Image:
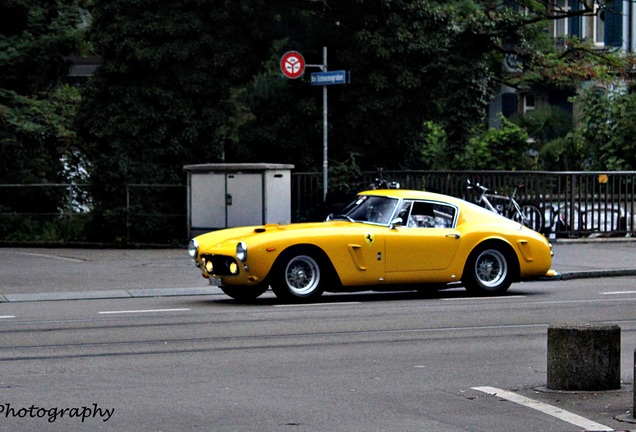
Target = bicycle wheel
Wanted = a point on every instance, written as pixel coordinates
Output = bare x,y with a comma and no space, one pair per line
531,216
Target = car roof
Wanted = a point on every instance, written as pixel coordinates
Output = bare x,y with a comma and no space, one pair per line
412,194
464,206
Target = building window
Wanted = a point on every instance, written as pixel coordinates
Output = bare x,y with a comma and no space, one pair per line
561,25
528,103
599,26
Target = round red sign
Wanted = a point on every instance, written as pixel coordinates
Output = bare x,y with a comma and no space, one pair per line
292,64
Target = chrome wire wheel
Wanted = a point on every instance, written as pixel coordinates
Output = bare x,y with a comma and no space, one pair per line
491,269
302,275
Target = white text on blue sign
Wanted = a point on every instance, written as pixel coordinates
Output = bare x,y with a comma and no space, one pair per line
328,78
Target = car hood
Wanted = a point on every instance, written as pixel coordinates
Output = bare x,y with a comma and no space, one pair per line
217,239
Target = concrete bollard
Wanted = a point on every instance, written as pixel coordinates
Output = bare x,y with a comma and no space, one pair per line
584,357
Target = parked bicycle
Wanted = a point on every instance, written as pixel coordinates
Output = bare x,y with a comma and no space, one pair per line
381,183
527,214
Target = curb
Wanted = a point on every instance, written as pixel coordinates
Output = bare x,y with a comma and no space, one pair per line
592,274
584,240
112,294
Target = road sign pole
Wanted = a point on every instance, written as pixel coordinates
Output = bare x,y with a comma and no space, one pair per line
293,65
325,140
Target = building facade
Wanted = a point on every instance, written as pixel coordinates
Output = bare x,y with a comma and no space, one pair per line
606,25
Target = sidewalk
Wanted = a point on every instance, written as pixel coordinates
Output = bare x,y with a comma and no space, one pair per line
33,274
587,258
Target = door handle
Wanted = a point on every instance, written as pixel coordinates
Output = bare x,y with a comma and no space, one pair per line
455,236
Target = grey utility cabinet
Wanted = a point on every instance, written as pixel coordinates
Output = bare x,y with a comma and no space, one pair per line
229,195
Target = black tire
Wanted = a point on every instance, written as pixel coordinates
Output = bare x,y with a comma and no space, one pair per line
245,292
488,271
299,276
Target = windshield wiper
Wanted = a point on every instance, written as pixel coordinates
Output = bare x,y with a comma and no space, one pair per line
340,217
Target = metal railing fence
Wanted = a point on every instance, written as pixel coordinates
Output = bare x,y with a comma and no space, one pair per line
150,213
574,204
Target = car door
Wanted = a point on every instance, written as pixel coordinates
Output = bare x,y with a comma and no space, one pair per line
425,240
357,253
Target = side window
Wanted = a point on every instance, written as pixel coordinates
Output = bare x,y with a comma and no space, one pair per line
431,215
444,216
404,213
422,215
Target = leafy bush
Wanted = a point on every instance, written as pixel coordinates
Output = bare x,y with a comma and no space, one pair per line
607,128
505,148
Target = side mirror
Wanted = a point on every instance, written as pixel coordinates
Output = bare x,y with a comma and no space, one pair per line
396,221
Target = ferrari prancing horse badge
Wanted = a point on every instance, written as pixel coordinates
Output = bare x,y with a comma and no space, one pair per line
369,238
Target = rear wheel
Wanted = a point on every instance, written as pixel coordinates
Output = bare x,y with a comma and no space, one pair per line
245,292
298,276
488,272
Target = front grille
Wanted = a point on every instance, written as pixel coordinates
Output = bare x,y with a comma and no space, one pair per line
221,264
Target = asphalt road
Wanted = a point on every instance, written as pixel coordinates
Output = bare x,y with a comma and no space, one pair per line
355,362
147,346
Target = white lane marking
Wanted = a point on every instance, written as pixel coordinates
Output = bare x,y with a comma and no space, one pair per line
317,304
142,311
553,411
618,292
6,316
52,256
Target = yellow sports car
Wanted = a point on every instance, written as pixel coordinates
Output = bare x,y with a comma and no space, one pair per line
385,239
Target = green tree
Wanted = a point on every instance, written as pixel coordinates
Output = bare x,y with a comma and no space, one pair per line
434,151
36,111
607,128
36,108
505,148
411,62
276,119
550,130
156,102
273,119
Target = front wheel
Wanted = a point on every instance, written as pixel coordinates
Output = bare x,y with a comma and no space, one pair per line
298,276
245,292
487,272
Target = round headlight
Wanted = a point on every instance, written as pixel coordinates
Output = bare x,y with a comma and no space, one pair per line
193,248
241,251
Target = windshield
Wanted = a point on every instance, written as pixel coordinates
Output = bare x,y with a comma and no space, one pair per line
372,209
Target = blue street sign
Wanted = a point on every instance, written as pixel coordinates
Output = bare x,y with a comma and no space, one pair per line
329,78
